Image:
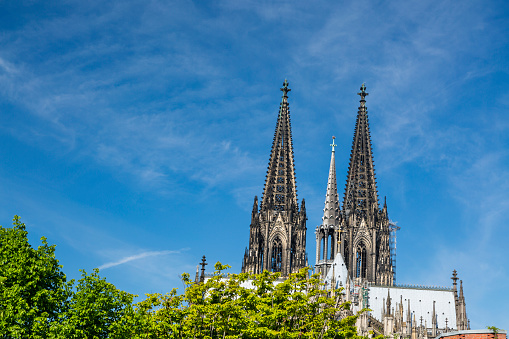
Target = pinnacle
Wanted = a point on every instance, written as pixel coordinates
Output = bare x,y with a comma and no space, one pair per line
331,208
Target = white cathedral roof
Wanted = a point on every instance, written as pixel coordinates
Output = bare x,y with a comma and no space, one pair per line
421,303
421,298
340,272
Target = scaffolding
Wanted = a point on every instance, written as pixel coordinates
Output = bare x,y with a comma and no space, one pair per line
393,227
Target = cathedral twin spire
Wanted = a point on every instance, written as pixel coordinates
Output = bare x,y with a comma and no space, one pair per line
280,191
361,196
360,230
277,240
278,228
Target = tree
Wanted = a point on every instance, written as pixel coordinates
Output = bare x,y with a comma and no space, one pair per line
94,309
226,307
33,289
36,301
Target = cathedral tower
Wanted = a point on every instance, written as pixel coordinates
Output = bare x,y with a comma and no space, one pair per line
365,235
327,233
277,239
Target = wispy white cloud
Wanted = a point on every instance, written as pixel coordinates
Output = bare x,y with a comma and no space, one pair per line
7,67
137,257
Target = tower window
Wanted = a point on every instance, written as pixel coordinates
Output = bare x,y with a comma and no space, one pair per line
361,261
277,256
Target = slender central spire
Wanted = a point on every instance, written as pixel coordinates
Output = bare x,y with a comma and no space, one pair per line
328,232
331,208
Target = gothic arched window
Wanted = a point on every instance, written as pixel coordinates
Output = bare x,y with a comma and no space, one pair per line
332,246
277,256
361,258
346,255
261,248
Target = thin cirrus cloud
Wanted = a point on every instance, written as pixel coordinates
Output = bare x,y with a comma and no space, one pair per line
135,257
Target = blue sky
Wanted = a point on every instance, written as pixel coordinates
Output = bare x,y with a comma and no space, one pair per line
135,134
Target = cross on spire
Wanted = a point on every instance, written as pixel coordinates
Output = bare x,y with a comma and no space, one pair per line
363,92
333,144
363,95
285,88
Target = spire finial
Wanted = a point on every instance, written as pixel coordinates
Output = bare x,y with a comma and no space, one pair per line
363,94
285,88
333,144
203,264
454,278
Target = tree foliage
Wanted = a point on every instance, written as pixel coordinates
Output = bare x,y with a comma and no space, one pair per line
226,307
95,309
36,301
33,288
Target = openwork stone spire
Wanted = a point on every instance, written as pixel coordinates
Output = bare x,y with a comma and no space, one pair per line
277,240
331,209
327,232
361,196
365,241
280,191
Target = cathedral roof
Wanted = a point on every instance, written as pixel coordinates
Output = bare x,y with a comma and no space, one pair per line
338,274
422,301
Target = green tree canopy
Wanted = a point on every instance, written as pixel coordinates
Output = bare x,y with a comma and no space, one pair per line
33,288
36,301
94,309
225,306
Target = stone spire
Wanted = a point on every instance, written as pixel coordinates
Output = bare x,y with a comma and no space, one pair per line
408,314
327,234
366,244
277,240
388,312
203,264
280,191
462,320
434,325
455,290
361,195
331,209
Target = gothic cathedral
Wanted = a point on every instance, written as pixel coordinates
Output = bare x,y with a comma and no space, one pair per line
353,242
